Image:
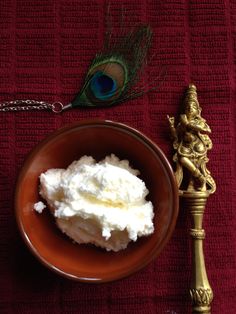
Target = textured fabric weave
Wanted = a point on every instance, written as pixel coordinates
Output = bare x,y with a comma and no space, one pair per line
45,49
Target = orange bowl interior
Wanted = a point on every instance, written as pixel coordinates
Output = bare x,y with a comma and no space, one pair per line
98,139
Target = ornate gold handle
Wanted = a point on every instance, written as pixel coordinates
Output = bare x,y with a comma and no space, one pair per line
191,143
200,290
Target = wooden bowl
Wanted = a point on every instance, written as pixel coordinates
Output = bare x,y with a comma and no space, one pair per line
96,138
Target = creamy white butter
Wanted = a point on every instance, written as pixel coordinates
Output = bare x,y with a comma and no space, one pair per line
39,207
100,203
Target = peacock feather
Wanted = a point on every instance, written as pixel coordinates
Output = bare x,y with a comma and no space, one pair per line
113,73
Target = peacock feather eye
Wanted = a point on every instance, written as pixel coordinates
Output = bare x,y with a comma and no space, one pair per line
102,86
113,73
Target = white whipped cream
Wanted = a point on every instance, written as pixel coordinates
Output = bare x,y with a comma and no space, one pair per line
100,203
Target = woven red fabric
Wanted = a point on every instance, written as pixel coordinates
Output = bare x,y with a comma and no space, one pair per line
45,49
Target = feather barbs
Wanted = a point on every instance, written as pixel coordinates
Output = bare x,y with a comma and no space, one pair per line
114,71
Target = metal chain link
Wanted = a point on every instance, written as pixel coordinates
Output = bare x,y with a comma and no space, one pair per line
26,105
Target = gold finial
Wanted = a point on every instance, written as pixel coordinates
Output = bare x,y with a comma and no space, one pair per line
191,143
192,91
191,96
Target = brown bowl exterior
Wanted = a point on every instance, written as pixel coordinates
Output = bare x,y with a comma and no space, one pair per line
98,139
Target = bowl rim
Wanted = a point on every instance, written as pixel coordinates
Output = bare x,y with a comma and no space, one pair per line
109,123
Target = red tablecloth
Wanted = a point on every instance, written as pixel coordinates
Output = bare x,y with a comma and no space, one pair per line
45,49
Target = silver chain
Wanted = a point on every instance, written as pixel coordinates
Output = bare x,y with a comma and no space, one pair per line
26,105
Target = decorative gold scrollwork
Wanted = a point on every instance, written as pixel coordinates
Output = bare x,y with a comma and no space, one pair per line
197,234
201,296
